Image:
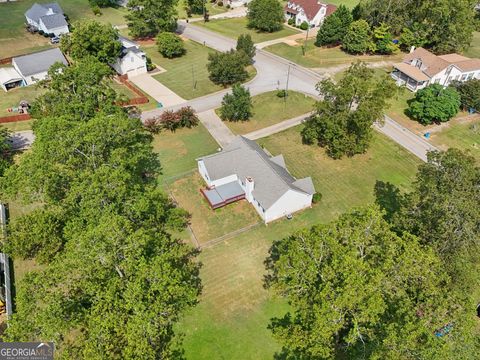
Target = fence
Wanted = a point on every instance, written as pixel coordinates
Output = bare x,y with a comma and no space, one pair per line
13,118
6,61
141,99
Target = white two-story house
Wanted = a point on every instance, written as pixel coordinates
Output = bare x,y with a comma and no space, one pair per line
47,17
313,12
421,68
132,60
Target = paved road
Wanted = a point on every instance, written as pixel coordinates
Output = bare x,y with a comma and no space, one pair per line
406,138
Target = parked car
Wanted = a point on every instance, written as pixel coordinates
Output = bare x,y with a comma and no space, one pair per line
55,40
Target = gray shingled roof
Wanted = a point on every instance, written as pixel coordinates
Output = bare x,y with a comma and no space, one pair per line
37,10
35,63
54,21
245,158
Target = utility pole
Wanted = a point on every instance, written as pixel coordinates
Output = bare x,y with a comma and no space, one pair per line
306,39
286,86
193,79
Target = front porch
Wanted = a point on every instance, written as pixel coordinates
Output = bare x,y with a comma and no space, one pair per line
409,76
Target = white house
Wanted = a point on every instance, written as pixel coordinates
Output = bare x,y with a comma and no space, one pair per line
313,12
10,78
48,18
34,67
132,61
242,170
421,68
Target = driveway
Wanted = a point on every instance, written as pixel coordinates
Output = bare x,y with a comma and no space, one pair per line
216,127
158,91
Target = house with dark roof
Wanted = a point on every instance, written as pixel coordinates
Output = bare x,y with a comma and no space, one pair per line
313,12
421,68
47,17
243,170
34,67
132,60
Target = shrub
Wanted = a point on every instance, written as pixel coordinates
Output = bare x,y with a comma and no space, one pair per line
228,6
170,45
153,125
304,25
150,65
46,35
96,10
237,106
282,93
41,32
169,120
291,21
187,117
316,198
220,3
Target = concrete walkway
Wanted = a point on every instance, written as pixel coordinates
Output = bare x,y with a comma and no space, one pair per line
237,12
157,90
276,128
404,137
215,126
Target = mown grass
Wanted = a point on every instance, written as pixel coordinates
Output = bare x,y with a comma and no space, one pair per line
232,318
318,57
232,28
269,109
15,40
12,98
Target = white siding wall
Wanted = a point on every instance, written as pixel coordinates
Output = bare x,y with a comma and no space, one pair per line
131,65
31,22
289,203
203,172
32,79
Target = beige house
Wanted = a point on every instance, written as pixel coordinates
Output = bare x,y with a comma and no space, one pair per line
421,68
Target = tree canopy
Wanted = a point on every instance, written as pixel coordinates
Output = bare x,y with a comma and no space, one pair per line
78,91
434,104
334,27
6,151
342,122
227,68
91,38
265,15
170,45
358,39
469,92
237,106
149,17
359,290
245,44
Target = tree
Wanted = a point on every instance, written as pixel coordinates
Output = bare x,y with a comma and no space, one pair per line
335,27
342,122
78,91
469,92
358,39
195,6
102,3
113,269
170,45
237,106
245,44
265,15
91,38
359,290
227,68
384,40
414,36
149,17
434,104
6,150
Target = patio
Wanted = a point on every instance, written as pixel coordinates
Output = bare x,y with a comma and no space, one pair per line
222,195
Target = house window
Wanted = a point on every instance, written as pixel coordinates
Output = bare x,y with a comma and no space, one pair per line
437,81
449,70
418,63
464,76
470,76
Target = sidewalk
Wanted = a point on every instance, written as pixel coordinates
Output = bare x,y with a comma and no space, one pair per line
158,91
284,125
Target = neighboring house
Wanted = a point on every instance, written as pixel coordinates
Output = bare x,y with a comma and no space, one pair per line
421,68
34,67
312,11
10,78
244,171
47,17
132,61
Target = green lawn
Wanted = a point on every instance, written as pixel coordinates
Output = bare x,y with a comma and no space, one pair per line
232,28
474,49
269,109
177,151
13,97
232,317
187,75
321,56
212,9
463,135
15,40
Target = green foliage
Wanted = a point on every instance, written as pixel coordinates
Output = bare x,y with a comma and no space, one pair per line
237,106
170,45
335,27
343,120
469,93
227,68
173,120
443,25
434,104
414,36
245,44
96,10
384,40
6,152
195,6
304,25
149,17
187,117
78,91
102,3
358,39
91,38
359,290
150,65
265,15
317,197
